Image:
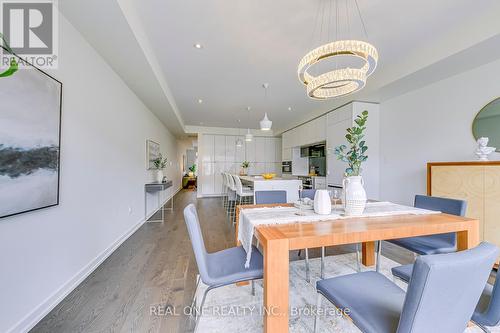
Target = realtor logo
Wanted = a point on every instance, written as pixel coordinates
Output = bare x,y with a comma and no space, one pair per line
30,30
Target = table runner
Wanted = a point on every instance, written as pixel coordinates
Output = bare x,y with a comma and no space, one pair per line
251,217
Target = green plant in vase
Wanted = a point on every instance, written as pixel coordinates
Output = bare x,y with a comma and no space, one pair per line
159,164
354,154
192,170
244,167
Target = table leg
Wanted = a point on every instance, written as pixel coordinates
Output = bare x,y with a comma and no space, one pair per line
368,254
276,275
468,238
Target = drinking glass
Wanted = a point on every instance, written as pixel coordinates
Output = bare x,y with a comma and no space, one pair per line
335,195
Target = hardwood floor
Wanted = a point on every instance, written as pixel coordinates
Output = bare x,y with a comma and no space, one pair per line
155,266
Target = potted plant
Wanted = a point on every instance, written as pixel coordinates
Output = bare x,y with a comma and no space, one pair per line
354,194
159,164
192,170
244,167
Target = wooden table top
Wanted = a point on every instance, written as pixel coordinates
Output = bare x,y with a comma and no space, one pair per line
361,229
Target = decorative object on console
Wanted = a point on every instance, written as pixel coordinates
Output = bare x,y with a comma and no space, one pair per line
192,170
487,123
244,168
483,150
322,202
354,194
30,127
159,164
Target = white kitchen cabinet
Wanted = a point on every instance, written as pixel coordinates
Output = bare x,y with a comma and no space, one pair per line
207,148
336,137
219,148
286,154
240,151
218,168
230,148
286,140
269,150
207,178
250,151
277,154
260,149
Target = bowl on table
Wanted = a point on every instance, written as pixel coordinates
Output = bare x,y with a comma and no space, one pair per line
268,175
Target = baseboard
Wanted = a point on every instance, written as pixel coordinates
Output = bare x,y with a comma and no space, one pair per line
30,320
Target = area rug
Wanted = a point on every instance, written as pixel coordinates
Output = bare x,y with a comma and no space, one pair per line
234,309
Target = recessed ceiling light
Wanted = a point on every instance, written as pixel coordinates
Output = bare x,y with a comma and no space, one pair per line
289,108
198,46
200,101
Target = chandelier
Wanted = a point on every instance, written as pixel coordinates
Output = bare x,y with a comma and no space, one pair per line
344,80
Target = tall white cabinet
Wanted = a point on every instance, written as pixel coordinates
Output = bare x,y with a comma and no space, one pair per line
218,153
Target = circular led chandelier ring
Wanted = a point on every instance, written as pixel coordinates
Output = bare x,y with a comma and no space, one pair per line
338,82
361,49
345,81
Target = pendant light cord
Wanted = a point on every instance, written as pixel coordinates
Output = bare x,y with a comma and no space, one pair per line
361,18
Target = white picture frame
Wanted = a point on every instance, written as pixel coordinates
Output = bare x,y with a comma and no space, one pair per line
152,153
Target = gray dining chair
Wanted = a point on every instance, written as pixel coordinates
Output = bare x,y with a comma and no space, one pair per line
270,197
441,295
220,268
433,244
487,311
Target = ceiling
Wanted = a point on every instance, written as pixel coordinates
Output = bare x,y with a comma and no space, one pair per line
247,43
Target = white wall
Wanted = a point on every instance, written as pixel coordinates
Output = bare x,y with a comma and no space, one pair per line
431,124
44,254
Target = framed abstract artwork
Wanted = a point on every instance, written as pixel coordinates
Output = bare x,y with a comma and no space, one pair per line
30,140
152,153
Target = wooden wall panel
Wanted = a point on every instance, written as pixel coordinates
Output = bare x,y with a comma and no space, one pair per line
492,204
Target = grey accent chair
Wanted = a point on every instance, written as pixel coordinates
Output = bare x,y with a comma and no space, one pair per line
221,268
270,197
443,283
433,244
487,311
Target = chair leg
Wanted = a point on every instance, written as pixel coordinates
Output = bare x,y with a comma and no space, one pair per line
358,258
200,311
308,273
193,303
379,252
484,329
322,267
318,306
253,287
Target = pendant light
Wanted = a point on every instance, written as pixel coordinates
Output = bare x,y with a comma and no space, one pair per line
343,80
265,123
239,142
248,136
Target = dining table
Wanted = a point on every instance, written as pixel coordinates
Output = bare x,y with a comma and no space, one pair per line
277,240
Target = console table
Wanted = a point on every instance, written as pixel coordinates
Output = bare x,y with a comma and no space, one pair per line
157,188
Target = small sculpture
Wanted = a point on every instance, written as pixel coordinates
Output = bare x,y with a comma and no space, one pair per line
483,150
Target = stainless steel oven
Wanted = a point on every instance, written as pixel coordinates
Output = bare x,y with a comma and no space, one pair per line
286,167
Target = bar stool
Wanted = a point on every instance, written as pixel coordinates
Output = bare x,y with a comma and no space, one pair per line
243,195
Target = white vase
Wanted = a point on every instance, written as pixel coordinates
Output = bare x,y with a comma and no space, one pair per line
322,202
354,196
159,175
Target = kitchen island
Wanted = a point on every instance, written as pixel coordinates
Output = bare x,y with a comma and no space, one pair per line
258,183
